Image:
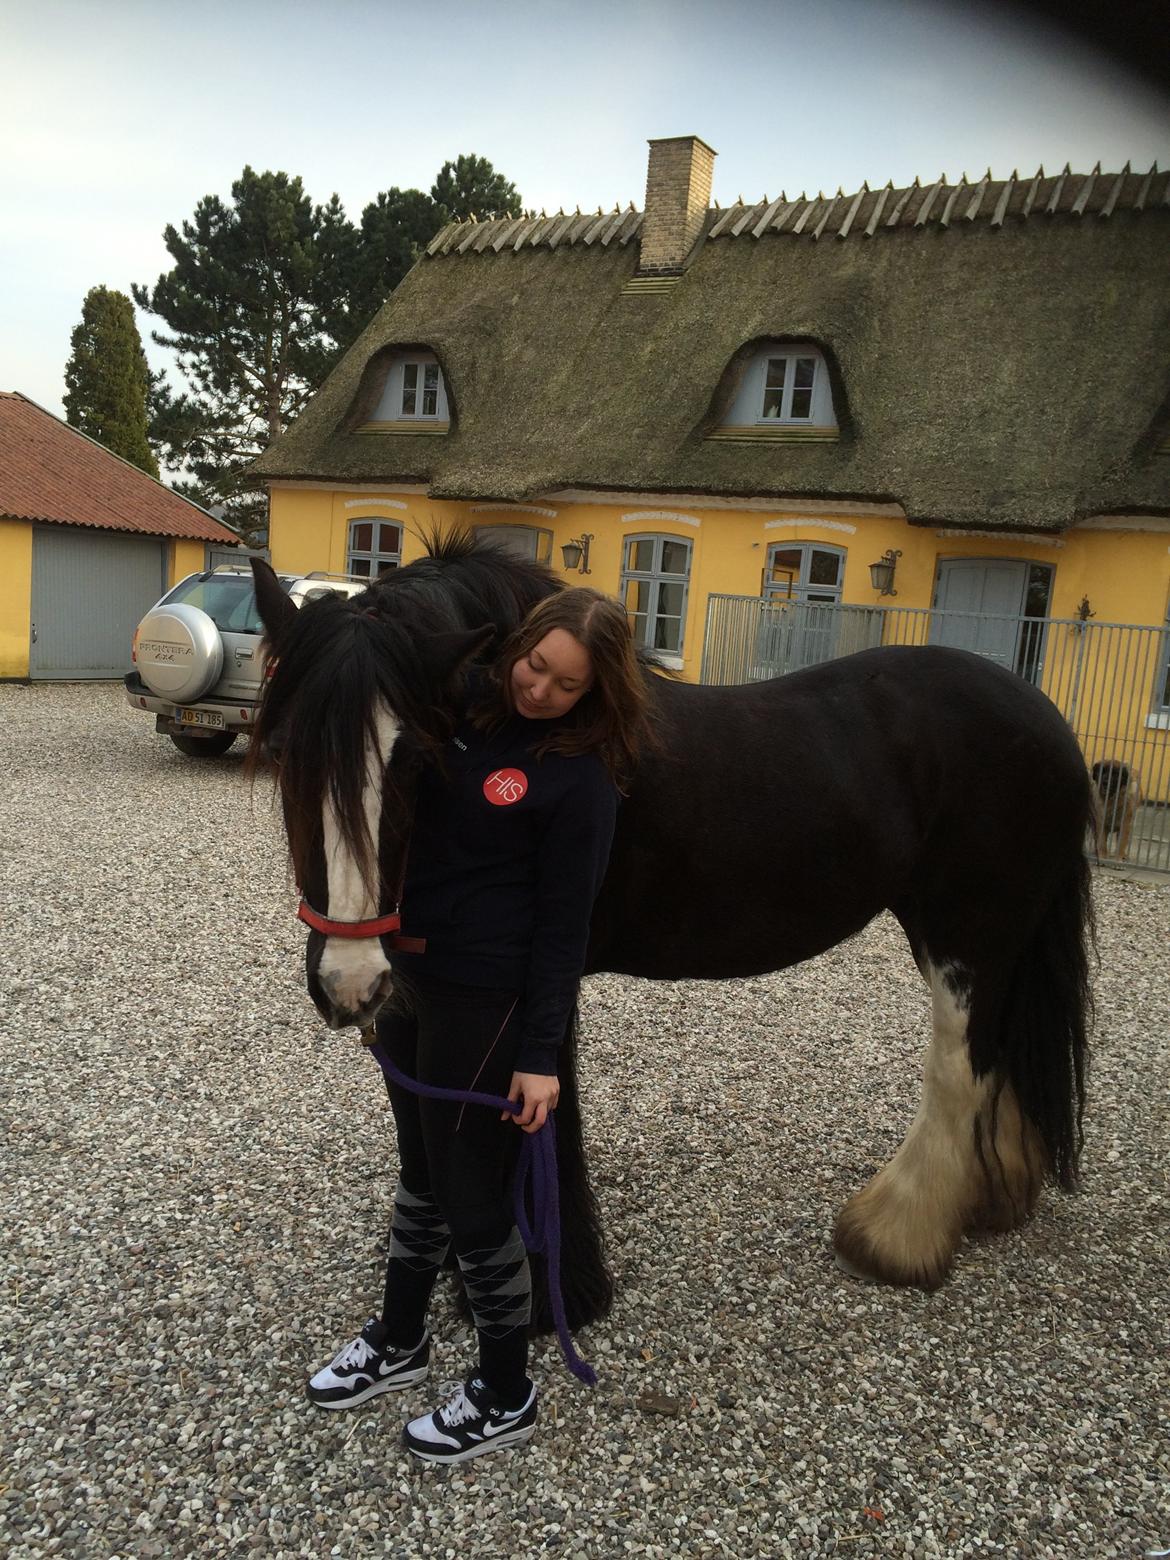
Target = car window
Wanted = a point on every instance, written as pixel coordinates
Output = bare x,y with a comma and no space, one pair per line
228,599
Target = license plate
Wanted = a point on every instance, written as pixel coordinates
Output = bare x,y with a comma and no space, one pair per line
200,718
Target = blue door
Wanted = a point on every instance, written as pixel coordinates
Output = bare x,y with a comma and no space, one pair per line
996,607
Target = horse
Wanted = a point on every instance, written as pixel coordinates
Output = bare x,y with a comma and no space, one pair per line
925,781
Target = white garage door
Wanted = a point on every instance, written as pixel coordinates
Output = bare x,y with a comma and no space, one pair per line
89,590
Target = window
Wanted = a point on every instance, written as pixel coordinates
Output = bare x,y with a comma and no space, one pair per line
804,571
799,625
784,391
420,389
414,397
531,542
1162,682
228,599
655,572
374,547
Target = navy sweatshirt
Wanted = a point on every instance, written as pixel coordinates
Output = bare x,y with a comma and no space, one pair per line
506,858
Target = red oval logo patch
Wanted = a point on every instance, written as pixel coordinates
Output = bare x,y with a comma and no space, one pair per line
505,787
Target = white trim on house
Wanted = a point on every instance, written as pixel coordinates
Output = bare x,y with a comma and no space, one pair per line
364,503
1122,523
1005,536
811,525
415,489
513,509
713,502
641,515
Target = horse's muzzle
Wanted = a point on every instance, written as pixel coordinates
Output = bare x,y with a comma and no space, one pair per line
348,994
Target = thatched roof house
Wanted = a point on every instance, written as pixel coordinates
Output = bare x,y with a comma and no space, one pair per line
996,350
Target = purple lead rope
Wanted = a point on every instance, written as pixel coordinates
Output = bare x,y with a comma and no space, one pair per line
536,1168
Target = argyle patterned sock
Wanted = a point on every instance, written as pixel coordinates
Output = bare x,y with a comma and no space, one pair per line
419,1240
499,1289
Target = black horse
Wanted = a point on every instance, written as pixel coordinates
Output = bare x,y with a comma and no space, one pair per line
771,822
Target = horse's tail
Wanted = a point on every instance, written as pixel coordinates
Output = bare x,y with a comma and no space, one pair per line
586,1281
1042,1045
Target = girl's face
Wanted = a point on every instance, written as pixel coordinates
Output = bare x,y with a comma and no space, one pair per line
549,680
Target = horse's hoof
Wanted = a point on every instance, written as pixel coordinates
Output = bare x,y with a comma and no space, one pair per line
853,1271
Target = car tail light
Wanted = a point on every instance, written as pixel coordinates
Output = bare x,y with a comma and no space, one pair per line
134,648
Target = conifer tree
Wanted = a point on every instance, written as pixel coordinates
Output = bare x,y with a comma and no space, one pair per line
265,294
107,379
471,187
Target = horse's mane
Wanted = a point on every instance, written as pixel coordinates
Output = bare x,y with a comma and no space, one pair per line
462,581
342,657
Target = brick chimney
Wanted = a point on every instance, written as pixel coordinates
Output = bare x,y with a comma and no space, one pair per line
678,191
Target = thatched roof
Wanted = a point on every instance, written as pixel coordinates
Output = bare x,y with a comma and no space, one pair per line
997,350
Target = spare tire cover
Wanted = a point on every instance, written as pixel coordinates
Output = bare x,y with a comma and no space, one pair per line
180,653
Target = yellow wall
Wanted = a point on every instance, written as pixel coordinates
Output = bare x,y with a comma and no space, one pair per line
15,596
184,557
1126,574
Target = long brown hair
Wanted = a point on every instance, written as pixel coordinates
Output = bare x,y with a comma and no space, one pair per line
614,718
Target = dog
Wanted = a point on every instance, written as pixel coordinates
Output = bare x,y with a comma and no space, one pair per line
1119,795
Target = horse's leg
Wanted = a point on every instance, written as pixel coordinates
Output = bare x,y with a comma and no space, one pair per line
1004,1082
903,1227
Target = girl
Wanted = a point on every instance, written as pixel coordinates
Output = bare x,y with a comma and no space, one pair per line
509,846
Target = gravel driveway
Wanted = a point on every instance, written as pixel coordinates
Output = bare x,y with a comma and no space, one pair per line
196,1180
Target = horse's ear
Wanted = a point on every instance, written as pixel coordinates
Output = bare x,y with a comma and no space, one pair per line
277,612
446,653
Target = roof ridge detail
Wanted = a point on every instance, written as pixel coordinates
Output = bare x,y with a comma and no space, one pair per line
982,202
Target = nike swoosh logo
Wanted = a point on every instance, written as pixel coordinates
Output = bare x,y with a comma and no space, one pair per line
494,1427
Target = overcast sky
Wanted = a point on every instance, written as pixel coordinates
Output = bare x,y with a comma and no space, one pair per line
119,115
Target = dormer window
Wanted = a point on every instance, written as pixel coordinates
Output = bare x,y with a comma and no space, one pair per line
414,397
784,392
420,388
790,382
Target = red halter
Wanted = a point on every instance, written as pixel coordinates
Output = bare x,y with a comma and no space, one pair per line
380,926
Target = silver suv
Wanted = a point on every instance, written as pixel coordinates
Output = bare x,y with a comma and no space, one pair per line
197,660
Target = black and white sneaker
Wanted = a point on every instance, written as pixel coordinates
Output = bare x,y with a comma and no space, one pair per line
471,1422
368,1366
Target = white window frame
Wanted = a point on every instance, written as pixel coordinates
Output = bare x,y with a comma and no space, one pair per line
747,409
539,536
1160,715
380,560
391,407
802,588
655,577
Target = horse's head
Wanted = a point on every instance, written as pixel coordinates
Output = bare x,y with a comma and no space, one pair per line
356,702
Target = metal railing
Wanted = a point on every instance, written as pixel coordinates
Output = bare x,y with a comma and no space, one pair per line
1111,681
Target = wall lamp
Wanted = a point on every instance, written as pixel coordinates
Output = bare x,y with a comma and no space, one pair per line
576,553
881,573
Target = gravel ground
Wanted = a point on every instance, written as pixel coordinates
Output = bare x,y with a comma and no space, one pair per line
196,1180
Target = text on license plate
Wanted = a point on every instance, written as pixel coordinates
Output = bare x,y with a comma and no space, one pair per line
200,718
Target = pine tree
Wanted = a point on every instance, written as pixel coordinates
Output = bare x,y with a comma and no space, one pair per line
107,379
471,187
264,296
241,306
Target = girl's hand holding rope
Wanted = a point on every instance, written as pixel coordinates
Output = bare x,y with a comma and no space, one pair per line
539,1093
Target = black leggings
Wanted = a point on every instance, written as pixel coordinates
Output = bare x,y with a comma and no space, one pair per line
458,1037
457,1163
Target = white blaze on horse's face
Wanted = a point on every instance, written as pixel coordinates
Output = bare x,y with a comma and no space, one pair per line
354,973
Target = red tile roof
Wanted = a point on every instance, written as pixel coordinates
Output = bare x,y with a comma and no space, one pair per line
49,471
